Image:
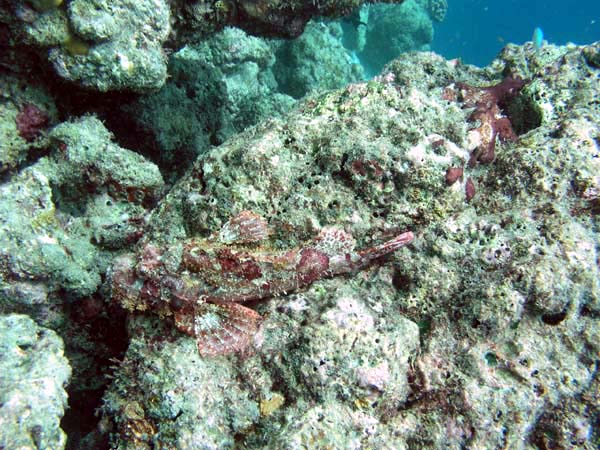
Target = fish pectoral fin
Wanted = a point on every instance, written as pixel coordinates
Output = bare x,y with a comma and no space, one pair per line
245,228
224,328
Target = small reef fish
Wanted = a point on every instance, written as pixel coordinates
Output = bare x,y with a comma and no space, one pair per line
200,283
538,38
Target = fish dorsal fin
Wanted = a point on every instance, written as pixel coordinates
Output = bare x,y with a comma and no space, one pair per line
334,241
244,228
220,329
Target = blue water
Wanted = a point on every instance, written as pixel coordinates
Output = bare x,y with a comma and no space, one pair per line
476,30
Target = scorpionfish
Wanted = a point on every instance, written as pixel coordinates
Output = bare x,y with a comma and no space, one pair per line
201,283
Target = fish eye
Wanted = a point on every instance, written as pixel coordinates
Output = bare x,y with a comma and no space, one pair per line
176,302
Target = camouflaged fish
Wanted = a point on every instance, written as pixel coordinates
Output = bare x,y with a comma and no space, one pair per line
201,282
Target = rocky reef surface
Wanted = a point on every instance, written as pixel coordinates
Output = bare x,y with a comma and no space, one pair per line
123,44
481,333
33,373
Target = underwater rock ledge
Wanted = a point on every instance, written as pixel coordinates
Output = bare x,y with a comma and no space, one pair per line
487,325
123,44
482,332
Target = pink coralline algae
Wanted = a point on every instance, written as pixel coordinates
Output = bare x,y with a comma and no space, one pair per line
200,283
30,121
488,103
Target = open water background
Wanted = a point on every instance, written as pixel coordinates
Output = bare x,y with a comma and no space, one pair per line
476,30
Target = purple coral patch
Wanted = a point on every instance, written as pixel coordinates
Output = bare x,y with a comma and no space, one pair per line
30,121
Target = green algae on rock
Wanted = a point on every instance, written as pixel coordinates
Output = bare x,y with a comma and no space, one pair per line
315,61
54,238
25,115
62,219
124,40
119,45
486,327
396,29
33,375
229,74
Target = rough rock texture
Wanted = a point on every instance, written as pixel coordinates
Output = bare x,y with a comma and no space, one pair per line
316,60
26,111
396,29
216,89
231,80
62,218
99,44
437,9
270,18
481,334
113,45
56,239
33,375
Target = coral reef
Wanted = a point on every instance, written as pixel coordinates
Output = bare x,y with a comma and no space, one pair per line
393,30
30,121
26,112
316,60
191,417
482,333
438,9
230,75
33,374
239,78
114,45
101,45
56,239
487,104
288,18
477,335
62,218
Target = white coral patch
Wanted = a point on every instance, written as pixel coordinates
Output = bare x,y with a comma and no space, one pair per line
417,154
350,313
423,152
374,377
125,62
474,139
45,239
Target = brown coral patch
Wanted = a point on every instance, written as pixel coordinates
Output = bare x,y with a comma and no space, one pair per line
489,103
453,174
469,189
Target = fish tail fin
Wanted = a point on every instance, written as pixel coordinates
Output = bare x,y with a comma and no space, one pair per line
387,247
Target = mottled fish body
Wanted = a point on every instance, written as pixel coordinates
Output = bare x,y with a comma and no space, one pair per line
201,282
